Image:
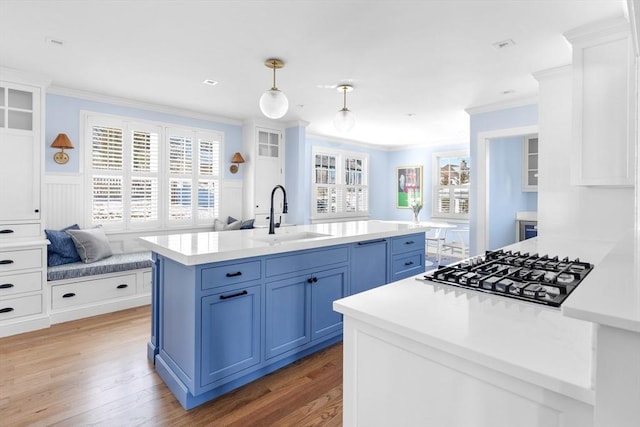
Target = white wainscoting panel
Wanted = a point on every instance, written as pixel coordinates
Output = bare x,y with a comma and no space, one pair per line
63,200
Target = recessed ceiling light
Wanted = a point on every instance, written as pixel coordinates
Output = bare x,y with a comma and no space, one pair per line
503,44
507,92
410,114
210,82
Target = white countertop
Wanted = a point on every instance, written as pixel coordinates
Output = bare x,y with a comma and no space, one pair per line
610,294
535,343
201,248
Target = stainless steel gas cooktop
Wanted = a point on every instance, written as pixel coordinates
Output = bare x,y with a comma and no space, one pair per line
534,278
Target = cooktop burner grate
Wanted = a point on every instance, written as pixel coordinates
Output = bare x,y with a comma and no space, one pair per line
533,278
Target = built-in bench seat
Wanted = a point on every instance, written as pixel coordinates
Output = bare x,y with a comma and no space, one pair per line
112,264
115,283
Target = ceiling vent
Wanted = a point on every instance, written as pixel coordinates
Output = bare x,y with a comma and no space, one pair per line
504,44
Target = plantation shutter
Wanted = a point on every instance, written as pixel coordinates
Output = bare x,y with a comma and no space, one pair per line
107,148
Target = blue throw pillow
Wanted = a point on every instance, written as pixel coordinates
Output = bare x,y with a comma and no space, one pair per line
231,219
247,224
62,250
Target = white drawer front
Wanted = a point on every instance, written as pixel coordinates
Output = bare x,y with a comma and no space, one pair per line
20,260
18,231
20,306
19,283
89,291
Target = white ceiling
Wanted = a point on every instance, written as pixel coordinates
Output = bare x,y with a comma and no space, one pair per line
430,58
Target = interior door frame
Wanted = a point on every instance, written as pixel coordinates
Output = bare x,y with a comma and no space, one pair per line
482,176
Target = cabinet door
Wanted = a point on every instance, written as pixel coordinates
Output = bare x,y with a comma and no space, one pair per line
326,287
268,171
368,265
287,315
19,140
230,333
530,163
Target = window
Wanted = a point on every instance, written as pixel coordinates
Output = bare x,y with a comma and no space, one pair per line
339,185
130,190
452,172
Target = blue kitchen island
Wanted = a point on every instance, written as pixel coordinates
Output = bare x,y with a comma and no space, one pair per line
229,307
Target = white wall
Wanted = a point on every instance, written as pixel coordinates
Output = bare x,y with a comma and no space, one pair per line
565,210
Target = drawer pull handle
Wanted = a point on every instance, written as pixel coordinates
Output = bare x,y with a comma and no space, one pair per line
312,280
6,261
6,231
239,273
122,286
408,263
371,242
6,310
69,295
6,286
239,294
409,242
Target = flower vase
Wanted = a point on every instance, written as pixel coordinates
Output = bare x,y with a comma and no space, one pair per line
415,218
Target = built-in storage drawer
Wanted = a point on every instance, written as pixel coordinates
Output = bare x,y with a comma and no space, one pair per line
407,265
307,260
20,260
407,243
230,274
19,231
20,306
89,291
19,283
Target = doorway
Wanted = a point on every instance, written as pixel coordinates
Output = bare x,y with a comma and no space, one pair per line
483,173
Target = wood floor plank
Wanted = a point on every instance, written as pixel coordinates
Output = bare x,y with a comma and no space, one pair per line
95,372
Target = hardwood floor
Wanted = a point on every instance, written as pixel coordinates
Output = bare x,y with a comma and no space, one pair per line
95,372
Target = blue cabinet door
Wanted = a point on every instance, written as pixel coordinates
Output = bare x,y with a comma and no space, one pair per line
230,333
326,287
287,314
368,265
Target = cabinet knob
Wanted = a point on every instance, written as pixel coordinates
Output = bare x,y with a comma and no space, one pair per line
37,210
69,295
122,286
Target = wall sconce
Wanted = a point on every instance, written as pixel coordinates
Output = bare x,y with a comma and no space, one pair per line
237,159
62,141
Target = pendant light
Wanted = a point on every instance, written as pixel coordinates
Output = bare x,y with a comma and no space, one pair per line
274,103
344,119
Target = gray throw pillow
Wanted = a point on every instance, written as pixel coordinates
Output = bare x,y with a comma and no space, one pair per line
91,243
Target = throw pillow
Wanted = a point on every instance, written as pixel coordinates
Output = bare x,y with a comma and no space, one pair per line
61,249
231,219
218,225
234,225
92,244
247,224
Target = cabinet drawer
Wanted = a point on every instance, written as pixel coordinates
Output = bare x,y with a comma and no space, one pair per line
88,291
307,260
20,260
19,231
20,306
407,243
407,265
230,274
19,283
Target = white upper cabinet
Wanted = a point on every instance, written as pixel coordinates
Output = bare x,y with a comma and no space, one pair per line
530,163
20,143
603,104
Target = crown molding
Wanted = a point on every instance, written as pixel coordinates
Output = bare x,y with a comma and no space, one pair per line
487,108
551,73
123,102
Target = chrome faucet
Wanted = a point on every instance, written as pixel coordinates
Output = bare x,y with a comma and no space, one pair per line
272,228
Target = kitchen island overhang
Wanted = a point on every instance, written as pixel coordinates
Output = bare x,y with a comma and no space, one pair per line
521,361
230,307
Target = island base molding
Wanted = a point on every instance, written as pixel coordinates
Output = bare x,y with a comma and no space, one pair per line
393,380
189,401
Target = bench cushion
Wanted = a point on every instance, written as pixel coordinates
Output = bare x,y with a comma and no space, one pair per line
113,264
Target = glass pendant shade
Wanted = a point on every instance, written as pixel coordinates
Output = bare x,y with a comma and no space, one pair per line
273,103
344,120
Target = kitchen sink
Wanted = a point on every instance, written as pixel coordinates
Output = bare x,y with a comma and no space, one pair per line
289,237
